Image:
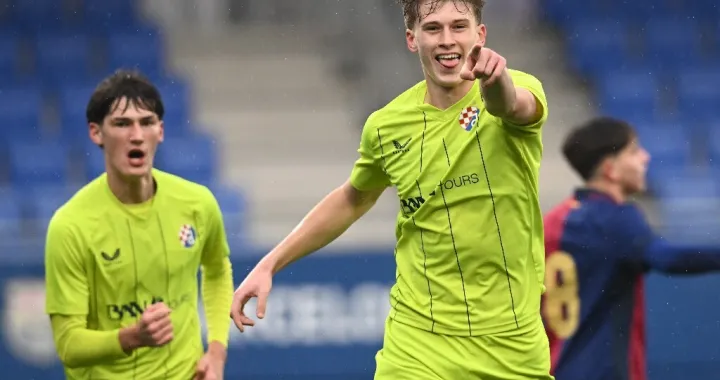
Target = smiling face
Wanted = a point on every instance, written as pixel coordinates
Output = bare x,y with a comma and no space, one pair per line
443,34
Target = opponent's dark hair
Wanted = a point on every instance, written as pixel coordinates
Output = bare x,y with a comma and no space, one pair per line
412,12
587,145
130,84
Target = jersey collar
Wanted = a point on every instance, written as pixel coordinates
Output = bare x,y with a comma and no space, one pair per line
452,111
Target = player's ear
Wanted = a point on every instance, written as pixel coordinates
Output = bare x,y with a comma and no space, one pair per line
608,169
161,132
482,34
95,132
411,41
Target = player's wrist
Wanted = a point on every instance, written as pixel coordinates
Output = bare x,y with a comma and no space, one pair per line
217,351
269,263
130,339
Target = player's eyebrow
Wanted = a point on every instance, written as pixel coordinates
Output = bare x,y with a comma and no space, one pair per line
437,23
125,119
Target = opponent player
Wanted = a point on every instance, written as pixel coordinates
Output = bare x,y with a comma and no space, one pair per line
463,149
122,255
598,247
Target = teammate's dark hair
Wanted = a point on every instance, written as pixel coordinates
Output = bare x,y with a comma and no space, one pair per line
590,143
411,9
129,84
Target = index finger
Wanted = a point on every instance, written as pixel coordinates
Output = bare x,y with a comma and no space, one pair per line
475,51
237,313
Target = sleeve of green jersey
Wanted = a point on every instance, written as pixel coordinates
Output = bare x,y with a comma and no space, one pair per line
368,173
217,280
66,283
532,84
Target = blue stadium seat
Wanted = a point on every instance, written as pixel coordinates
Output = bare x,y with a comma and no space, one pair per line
177,101
94,159
690,221
21,108
597,47
713,146
44,201
663,32
688,184
704,10
191,157
73,100
699,93
109,14
669,148
233,207
639,10
38,163
63,57
9,50
565,13
629,94
143,50
42,15
688,204
10,213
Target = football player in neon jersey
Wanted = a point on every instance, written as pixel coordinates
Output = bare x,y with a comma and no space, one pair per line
598,247
122,255
463,149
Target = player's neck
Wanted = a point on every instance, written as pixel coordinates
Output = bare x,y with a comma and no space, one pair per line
611,190
132,191
444,97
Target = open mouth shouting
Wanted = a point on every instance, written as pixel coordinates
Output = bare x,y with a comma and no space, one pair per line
136,157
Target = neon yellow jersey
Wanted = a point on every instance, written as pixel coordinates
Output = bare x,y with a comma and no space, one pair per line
108,261
469,231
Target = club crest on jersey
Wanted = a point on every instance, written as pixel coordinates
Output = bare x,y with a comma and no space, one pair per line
187,236
468,118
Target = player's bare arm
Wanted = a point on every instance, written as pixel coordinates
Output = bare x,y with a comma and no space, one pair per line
502,98
323,224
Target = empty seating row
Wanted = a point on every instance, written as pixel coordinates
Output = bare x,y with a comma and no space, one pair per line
40,163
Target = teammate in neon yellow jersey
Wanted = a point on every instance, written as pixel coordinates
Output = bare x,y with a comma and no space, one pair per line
123,254
463,149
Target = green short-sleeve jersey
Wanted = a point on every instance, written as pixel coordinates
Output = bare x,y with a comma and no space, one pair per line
108,261
469,231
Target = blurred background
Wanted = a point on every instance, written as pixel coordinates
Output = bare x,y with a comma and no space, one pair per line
265,102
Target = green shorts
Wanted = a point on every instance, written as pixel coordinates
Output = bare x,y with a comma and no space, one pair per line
409,353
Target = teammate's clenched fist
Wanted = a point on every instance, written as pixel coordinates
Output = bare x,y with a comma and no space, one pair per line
154,328
484,64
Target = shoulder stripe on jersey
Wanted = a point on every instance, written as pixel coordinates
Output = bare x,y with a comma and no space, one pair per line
382,154
452,236
132,246
422,142
497,224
